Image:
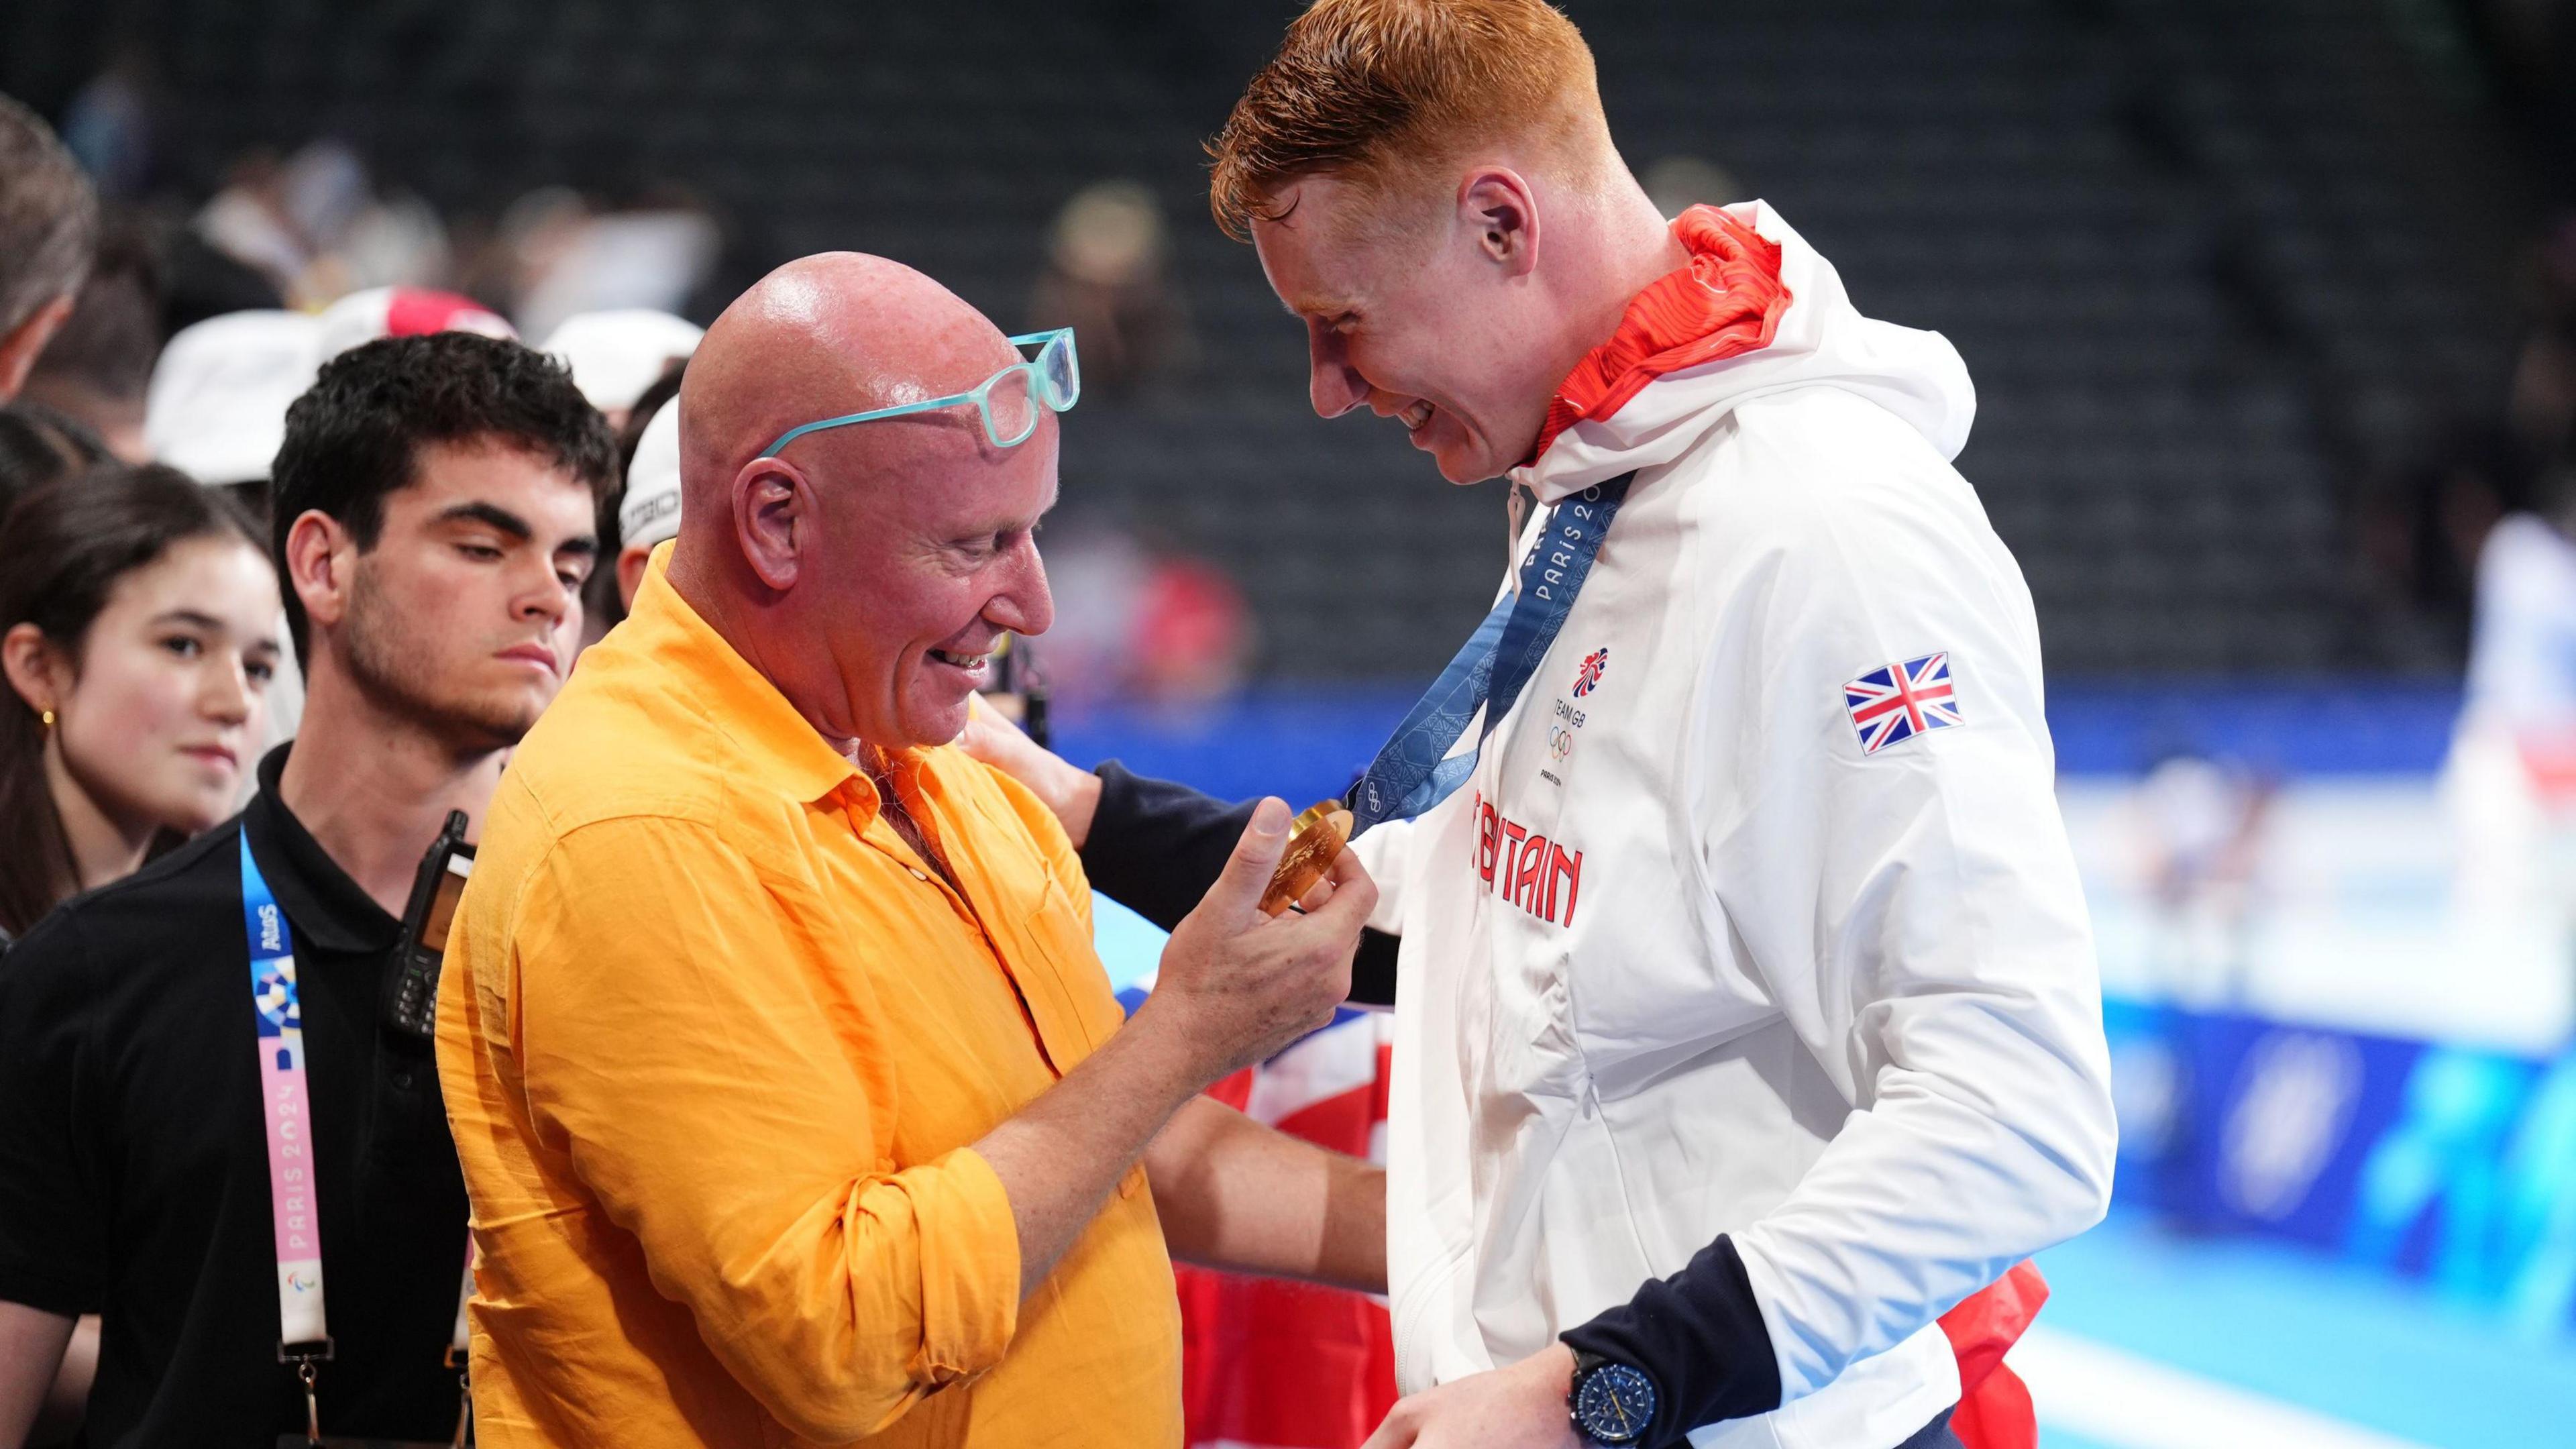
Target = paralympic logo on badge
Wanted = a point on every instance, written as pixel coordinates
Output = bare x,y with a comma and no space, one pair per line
275,996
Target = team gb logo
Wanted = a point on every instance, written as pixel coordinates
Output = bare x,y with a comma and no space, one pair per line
1588,677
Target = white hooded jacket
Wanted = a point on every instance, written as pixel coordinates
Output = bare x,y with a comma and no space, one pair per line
1683,958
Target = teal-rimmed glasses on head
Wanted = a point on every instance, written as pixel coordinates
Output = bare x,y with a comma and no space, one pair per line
1008,401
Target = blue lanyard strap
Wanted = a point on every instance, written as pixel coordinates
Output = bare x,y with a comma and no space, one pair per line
287,1105
1414,770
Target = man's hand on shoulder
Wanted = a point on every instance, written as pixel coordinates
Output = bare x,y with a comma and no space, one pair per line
1072,795
1520,1407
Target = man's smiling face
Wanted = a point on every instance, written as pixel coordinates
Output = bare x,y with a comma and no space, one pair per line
929,538
1412,321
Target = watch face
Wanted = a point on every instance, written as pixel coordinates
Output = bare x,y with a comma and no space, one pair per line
1615,1404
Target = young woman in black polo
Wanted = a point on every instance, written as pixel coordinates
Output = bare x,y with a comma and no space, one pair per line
137,635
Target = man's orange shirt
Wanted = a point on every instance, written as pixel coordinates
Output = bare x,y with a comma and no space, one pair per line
715,1043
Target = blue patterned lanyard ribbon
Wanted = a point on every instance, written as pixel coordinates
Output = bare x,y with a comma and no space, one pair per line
1414,770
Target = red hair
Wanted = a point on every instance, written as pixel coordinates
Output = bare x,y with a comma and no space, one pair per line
1385,91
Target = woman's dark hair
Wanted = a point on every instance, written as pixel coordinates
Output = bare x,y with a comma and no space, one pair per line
39,445
63,547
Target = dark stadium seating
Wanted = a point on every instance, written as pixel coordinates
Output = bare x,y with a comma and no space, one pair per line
2210,264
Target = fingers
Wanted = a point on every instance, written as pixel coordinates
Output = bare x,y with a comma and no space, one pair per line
1238,889
987,736
1352,898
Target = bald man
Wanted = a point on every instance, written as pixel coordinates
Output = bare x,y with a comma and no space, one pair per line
792,1099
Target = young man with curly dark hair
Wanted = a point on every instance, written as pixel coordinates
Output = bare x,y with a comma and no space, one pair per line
206,1111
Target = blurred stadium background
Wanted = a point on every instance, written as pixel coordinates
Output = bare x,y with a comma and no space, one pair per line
2271,307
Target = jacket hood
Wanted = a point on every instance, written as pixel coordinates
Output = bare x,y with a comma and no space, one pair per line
1821,341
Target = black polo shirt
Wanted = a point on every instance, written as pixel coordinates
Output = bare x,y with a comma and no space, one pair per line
134,1154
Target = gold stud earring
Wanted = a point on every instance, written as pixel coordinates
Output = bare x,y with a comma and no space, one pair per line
49,719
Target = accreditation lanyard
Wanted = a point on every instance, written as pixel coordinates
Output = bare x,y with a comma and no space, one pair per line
1414,770
303,1331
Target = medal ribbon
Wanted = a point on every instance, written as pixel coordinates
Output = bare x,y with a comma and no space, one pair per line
1414,770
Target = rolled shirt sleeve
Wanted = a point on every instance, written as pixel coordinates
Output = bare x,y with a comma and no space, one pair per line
715,1106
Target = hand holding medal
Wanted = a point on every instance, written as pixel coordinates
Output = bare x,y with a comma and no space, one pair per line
1315,840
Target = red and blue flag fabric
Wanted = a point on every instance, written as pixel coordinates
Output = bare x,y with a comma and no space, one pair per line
1895,702
1271,1364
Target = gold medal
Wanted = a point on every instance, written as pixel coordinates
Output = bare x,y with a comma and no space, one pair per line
1315,841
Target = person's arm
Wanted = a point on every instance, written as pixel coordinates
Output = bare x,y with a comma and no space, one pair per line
1155,846
31,1350
50,1244
1918,915
1237,1195
726,1124
1151,845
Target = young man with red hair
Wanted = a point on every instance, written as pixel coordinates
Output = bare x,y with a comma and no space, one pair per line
1748,1017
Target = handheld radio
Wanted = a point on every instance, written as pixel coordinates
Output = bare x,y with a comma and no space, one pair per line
411,991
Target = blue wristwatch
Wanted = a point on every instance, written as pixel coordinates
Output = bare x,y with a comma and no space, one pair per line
1613,1403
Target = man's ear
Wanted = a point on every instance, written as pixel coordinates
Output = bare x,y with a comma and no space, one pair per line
1497,207
23,343
773,519
321,567
631,563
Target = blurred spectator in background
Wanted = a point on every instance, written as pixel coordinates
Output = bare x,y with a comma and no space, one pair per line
98,368
216,406
138,631
247,220
648,498
555,256
48,231
1107,277
1193,634
199,282
2198,826
39,445
649,513
1142,623
2543,402
113,123
216,409
314,226
362,317
616,355
1675,184
2509,784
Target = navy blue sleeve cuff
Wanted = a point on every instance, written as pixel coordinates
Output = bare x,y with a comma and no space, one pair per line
1155,847
1698,1334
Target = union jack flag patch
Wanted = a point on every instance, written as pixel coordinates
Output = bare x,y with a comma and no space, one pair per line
1899,701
